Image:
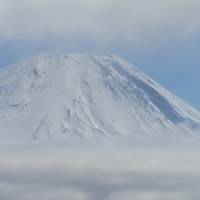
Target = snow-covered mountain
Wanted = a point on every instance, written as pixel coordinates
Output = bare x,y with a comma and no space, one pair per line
64,95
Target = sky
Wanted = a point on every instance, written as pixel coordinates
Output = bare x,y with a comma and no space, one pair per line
162,38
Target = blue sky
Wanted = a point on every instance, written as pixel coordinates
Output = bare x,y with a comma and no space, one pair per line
162,38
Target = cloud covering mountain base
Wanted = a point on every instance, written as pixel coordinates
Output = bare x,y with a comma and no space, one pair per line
151,170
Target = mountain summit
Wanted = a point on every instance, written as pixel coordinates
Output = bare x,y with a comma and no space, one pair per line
64,95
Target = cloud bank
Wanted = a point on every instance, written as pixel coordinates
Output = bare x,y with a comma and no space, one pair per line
105,172
102,21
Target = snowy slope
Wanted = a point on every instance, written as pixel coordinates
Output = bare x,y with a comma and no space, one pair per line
63,95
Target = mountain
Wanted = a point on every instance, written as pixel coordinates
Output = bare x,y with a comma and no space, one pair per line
66,95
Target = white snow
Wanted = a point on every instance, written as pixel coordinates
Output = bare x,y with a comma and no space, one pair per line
88,96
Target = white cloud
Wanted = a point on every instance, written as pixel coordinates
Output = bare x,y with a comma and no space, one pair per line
151,170
104,21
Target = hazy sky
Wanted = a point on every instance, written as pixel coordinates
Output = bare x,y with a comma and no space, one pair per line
160,37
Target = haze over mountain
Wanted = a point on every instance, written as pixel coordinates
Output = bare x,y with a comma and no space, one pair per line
82,95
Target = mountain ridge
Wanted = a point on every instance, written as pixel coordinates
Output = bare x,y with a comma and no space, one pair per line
52,95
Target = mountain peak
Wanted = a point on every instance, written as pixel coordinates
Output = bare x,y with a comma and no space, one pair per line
85,95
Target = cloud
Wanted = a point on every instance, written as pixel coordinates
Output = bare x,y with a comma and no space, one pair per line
102,21
106,172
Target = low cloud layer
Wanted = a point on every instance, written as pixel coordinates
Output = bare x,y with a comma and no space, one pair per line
100,172
101,21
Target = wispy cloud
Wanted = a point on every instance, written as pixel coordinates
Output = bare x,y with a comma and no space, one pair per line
100,172
104,21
